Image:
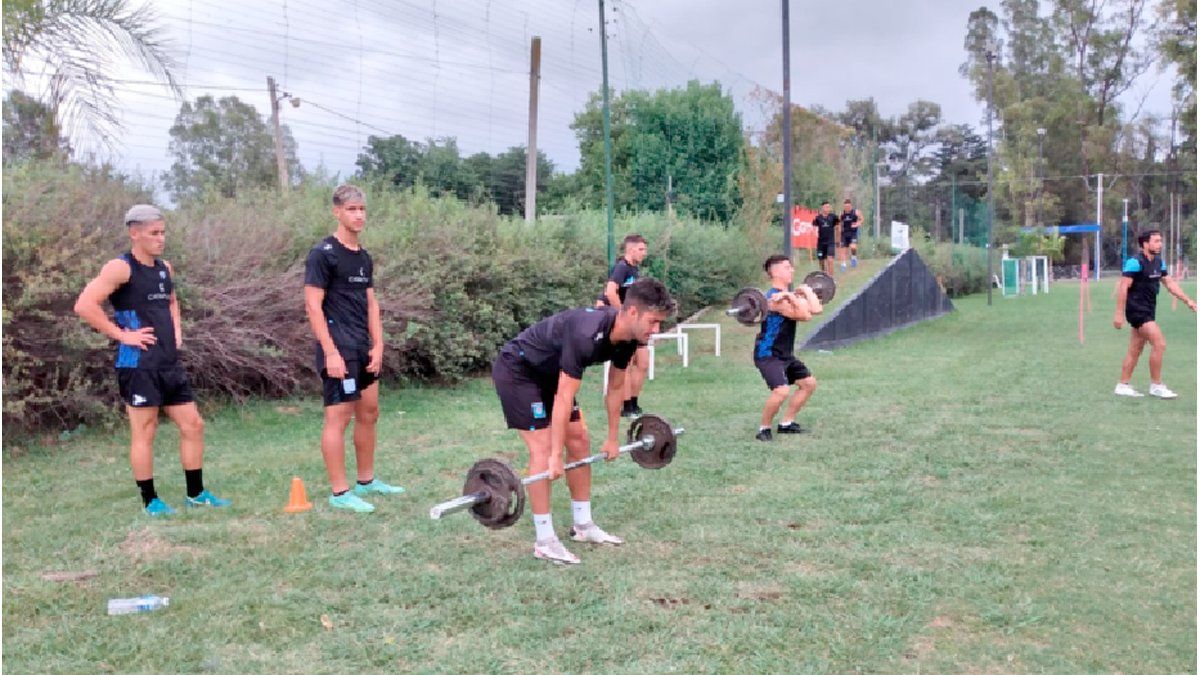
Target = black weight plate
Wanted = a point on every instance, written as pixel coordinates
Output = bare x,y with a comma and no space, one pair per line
663,451
823,285
751,305
506,494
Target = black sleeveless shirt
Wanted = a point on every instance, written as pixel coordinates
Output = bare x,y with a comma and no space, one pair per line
145,300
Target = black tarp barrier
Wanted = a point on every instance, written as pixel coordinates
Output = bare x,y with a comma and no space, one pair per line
901,294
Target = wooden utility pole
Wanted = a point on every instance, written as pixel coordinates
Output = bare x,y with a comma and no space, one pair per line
280,161
531,154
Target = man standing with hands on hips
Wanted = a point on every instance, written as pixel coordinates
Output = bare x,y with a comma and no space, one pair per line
339,297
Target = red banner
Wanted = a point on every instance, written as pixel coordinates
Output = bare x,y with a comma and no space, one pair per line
804,235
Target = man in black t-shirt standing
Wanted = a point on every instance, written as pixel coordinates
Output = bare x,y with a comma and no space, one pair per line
1137,297
826,223
537,375
624,272
141,287
339,297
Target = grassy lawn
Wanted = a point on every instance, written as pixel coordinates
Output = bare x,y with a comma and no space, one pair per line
971,497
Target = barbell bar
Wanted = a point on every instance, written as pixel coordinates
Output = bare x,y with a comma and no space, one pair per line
496,495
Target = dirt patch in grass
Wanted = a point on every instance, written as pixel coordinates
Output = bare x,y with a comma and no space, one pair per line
144,545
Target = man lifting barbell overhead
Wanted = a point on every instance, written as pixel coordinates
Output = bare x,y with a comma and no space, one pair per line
773,347
537,375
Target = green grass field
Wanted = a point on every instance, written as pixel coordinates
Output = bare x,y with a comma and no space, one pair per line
971,498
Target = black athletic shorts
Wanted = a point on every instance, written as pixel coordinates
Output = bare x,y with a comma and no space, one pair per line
849,236
154,387
526,396
348,390
1138,317
779,372
825,249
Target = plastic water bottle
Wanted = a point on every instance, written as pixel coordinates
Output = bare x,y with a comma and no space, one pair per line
145,603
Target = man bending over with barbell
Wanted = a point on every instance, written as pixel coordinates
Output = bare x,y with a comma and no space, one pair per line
537,375
773,347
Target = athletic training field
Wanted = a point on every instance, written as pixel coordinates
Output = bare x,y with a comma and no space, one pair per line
971,498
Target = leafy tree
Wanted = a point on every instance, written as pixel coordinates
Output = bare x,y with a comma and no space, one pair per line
224,145
689,136
31,130
78,44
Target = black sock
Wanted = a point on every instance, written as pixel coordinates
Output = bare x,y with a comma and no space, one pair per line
148,493
633,402
339,494
366,482
195,482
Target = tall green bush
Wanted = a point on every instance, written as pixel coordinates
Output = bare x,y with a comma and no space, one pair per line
455,281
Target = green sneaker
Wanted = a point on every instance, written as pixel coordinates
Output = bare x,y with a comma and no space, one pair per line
376,487
350,502
158,507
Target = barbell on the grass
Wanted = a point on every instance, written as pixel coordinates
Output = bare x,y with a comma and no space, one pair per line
496,494
749,306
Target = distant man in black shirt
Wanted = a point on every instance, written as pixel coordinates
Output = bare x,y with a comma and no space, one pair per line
339,297
773,347
850,223
826,223
537,375
140,285
624,272
1137,297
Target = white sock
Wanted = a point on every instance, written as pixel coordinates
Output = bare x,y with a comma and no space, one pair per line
766,428
581,512
543,525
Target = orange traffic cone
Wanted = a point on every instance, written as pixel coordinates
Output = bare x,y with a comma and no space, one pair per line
298,500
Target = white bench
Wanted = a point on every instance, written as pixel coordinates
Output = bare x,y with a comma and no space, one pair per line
715,327
681,347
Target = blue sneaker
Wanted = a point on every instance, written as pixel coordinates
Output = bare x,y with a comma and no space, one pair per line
854,261
377,487
158,507
205,498
350,502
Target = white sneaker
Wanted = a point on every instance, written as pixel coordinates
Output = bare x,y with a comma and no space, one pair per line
1126,390
1161,391
555,552
591,533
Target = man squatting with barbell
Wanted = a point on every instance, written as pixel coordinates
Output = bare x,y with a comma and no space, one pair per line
537,375
773,347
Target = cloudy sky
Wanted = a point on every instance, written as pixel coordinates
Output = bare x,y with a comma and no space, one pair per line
434,68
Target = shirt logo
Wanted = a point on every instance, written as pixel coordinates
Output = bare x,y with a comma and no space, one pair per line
139,399
162,274
598,337
327,247
161,288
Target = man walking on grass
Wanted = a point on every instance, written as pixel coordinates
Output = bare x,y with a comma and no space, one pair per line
1137,296
339,297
